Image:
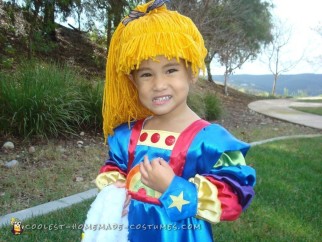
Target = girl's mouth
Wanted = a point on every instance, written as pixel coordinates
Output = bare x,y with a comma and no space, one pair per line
161,100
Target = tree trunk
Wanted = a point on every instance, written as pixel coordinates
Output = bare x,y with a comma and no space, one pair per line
108,31
30,37
208,60
49,19
79,21
274,85
225,84
209,72
32,27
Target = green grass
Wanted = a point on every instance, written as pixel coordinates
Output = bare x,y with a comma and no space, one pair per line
270,130
46,99
312,110
62,225
287,205
312,100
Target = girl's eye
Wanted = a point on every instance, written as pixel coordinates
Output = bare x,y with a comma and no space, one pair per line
171,71
145,75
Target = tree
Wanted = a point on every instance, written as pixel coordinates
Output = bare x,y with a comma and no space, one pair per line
109,13
78,9
276,51
247,30
233,30
44,13
206,15
232,58
31,13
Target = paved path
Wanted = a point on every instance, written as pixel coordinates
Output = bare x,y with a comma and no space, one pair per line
277,108
280,109
48,207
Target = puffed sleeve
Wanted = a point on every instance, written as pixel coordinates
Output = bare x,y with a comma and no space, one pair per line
224,182
226,190
115,167
212,197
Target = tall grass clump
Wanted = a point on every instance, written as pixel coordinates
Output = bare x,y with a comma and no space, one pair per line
196,103
93,96
41,99
207,106
213,106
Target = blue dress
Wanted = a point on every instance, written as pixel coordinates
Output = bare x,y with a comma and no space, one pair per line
203,152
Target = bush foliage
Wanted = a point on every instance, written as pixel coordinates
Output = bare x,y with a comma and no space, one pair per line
47,100
207,106
213,107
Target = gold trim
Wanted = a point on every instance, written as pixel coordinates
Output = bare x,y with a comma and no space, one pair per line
107,178
161,143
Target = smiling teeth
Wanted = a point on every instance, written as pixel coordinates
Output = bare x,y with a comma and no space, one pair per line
162,98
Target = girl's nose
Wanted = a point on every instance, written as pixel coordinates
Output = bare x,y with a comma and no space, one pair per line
159,83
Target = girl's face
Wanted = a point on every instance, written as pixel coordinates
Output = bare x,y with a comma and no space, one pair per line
163,85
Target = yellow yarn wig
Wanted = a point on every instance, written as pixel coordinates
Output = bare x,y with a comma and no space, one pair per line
145,34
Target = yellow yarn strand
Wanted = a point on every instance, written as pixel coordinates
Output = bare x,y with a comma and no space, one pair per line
159,32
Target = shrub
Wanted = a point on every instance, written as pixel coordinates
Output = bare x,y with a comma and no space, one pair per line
213,107
207,106
93,96
196,103
41,99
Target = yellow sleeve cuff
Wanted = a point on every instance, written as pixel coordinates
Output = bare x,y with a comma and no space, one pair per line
107,178
209,206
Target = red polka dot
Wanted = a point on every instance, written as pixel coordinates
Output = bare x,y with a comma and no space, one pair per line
170,140
155,138
143,136
142,191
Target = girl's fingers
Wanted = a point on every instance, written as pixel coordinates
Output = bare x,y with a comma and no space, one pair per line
124,212
147,164
163,162
143,171
127,201
155,162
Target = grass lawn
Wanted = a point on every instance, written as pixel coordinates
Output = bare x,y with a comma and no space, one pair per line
313,110
287,206
49,174
310,100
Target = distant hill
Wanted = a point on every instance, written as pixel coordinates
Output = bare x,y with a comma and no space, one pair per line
309,84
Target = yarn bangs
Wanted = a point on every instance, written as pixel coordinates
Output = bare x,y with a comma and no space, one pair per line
159,32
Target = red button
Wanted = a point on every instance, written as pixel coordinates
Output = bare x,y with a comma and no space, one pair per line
143,136
170,140
155,138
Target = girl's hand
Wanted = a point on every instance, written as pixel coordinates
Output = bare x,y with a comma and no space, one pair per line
157,174
121,184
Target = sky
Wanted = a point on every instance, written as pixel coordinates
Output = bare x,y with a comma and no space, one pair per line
304,45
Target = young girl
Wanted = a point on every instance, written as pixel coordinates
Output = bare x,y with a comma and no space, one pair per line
181,173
